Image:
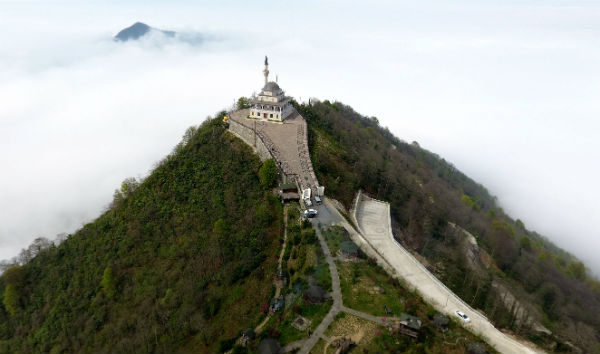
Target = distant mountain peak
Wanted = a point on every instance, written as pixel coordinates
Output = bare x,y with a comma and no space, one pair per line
138,30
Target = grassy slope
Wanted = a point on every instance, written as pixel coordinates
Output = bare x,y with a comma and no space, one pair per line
367,287
303,262
184,280
350,151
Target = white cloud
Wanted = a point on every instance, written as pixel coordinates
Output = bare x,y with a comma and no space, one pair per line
506,91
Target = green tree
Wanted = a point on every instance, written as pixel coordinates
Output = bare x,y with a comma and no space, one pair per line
220,228
243,102
470,202
129,185
549,294
14,278
14,275
152,240
525,243
263,214
520,224
108,282
268,174
576,270
11,299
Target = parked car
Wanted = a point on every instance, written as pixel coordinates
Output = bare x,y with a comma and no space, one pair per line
309,213
463,316
318,200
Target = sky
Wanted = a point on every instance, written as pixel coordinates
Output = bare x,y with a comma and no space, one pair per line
505,90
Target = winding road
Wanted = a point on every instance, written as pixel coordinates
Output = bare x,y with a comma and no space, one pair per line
373,220
374,236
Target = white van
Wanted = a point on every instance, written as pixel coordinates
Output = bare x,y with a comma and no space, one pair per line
307,202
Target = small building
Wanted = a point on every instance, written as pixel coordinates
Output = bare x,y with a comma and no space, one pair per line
289,188
290,197
271,104
315,295
268,346
407,325
476,348
348,249
441,321
289,192
277,304
249,332
301,323
342,344
247,335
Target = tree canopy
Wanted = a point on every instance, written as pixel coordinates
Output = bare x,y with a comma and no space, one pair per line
426,193
268,174
178,263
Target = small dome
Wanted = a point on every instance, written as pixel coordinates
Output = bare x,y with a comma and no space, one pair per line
272,86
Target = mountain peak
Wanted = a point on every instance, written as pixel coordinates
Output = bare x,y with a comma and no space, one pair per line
138,30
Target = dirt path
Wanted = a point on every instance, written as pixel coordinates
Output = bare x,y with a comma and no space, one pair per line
380,320
278,285
285,222
336,294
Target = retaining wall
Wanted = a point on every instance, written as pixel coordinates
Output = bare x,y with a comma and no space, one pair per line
366,246
253,140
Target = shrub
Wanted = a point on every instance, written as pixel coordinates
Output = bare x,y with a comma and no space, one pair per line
268,174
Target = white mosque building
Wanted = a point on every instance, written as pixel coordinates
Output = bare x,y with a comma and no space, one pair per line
271,104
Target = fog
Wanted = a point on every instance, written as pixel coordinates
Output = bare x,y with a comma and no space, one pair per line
507,91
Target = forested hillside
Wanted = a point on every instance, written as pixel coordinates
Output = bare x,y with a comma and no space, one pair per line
179,262
428,196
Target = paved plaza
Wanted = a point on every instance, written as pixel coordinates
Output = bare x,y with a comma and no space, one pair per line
287,142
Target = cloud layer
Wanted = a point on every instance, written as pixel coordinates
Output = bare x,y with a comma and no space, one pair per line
506,91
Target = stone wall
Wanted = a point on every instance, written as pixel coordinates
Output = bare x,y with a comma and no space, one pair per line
367,248
286,143
253,140
304,154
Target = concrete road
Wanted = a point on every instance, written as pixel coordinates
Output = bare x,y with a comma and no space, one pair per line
374,223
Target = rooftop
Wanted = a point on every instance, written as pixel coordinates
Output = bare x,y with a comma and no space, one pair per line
289,186
410,321
283,102
272,86
268,346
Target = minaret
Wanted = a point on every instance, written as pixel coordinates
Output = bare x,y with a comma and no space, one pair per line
266,71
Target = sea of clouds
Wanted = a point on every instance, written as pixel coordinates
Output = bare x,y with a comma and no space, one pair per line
506,91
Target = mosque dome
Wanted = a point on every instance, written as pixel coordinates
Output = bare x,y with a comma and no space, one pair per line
272,87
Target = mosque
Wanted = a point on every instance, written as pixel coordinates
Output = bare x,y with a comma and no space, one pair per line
257,125
271,104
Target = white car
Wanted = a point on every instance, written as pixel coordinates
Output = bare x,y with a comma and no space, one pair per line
310,213
463,316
